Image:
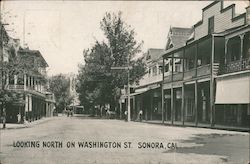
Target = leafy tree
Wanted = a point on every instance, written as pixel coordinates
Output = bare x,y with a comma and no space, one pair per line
60,86
98,84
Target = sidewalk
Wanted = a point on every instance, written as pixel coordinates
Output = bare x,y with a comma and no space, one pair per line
200,125
25,125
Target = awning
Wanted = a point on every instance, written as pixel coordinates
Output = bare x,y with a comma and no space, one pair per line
233,90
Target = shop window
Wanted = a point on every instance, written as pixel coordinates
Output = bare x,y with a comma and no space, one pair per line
190,106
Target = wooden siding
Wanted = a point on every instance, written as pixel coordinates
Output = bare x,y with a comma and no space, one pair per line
222,20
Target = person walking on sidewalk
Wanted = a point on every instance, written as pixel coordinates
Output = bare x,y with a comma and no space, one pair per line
18,118
126,115
140,115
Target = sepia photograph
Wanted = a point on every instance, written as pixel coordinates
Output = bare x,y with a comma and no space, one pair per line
124,82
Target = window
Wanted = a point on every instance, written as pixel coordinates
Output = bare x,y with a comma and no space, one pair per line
210,25
167,67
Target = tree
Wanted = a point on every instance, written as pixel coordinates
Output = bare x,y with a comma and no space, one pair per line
98,84
60,86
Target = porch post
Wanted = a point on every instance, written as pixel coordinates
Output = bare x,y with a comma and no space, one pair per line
241,45
225,60
28,81
241,49
212,112
196,59
24,81
120,107
182,103
172,105
31,79
196,102
151,105
135,113
15,80
172,91
162,91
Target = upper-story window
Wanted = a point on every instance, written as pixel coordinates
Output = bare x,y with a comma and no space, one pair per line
210,25
154,70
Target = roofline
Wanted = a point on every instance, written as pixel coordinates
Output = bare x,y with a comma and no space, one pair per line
36,52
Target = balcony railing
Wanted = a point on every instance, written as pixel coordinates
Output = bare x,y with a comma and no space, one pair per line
189,74
149,80
177,76
204,70
16,87
22,88
235,66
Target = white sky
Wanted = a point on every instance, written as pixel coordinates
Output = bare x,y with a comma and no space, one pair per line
61,30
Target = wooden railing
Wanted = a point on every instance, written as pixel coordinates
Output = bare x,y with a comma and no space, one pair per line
189,74
22,88
16,87
235,66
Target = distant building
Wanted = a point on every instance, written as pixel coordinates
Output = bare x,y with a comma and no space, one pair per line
72,92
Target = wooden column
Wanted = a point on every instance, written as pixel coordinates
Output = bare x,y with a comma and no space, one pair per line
196,102
15,80
241,49
151,105
172,92
196,58
24,81
134,108
28,77
120,107
172,105
162,90
225,60
182,104
212,85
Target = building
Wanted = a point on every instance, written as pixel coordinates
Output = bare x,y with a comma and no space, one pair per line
31,101
205,72
75,104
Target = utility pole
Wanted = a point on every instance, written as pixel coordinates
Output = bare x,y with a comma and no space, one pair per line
128,93
128,88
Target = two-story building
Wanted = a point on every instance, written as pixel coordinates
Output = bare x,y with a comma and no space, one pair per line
202,77
25,86
212,86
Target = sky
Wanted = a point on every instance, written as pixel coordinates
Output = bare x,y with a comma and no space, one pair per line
61,30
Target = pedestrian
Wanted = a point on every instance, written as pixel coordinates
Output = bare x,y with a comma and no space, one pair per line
108,114
126,115
18,118
67,113
140,115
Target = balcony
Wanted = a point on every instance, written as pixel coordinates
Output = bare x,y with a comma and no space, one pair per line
189,74
235,66
177,76
150,80
29,89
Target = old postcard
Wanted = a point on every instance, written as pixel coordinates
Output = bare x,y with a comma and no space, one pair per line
124,82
